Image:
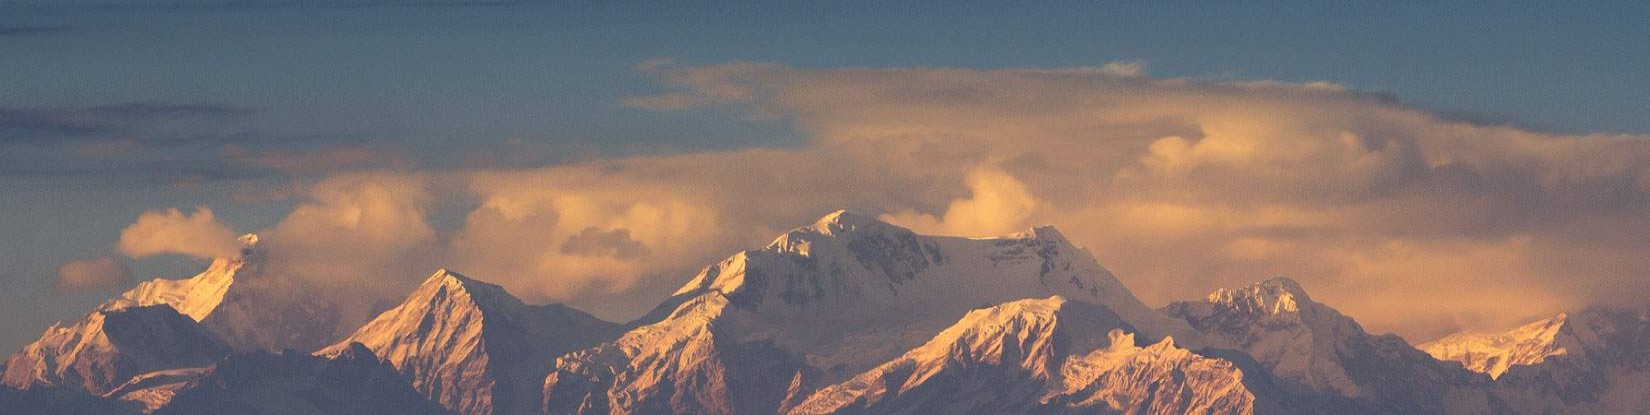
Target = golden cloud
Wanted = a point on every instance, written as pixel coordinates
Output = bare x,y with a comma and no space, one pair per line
1407,220
173,232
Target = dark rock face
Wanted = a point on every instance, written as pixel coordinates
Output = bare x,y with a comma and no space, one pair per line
1320,358
58,401
351,382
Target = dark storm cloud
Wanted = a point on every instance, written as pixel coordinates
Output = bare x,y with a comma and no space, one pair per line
171,143
146,121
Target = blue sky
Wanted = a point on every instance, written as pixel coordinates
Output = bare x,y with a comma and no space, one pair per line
213,93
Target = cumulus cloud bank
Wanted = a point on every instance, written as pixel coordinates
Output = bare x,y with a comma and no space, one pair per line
1408,220
173,232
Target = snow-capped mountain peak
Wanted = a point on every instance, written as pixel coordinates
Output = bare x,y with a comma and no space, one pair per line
1312,349
826,301
1047,355
471,346
108,347
854,264
1495,352
842,222
195,297
242,301
1274,296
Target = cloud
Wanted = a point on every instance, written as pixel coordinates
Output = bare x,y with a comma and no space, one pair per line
149,121
175,143
92,275
998,205
173,232
319,160
1184,186
1407,219
593,241
358,229
134,140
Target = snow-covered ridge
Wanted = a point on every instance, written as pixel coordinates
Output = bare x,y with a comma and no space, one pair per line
1494,352
195,297
847,314
1040,356
249,309
1311,349
1271,297
108,347
853,267
1605,368
823,303
473,347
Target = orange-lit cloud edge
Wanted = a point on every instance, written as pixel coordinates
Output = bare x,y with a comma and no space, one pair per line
1408,220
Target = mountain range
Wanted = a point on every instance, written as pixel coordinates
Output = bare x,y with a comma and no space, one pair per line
845,315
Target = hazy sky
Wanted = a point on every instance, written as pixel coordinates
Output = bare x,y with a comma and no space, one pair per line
562,132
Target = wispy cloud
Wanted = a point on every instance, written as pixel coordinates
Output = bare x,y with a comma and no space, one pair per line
145,121
171,143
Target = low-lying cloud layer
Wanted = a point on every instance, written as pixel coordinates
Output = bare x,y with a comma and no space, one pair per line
1408,220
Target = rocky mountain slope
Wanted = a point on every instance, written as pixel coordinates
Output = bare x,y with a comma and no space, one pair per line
103,350
1323,359
249,309
473,347
818,305
847,315
1040,356
351,381
1596,361
1494,353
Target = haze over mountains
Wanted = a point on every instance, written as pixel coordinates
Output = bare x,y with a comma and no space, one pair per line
846,315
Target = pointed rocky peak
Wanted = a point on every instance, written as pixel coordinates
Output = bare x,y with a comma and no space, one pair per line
1493,353
1311,349
448,286
446,304
1274,296
447,279
198,296
471,346
249,245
